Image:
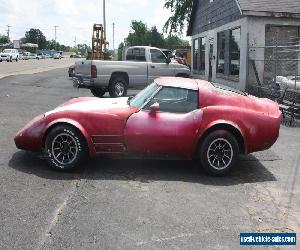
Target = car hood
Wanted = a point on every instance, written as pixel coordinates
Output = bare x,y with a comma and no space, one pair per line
115,106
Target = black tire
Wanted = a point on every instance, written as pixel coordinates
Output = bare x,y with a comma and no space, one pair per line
0,60
17,59
117,87
10,59
98,92
218,152
70,153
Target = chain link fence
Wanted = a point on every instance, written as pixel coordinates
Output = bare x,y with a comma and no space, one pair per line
274,72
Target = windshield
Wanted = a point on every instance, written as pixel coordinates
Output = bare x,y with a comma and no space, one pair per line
7,51
139,100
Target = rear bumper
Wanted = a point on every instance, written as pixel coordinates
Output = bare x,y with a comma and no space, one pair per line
82,82
87,82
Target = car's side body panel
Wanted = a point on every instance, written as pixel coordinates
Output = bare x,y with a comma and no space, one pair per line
162,132
257,120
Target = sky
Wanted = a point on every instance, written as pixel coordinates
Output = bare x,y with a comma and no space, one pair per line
75,18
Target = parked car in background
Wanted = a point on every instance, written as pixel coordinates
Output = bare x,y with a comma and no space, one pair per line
41,56
143,64
57,56
47,56
179,117
9,55
26,55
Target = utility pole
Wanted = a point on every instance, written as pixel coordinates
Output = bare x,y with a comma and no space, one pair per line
8,31
75,42
104,20
113,36
55,27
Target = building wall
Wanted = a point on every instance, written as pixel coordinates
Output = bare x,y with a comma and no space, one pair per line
256,27
212,14
211,37
253,33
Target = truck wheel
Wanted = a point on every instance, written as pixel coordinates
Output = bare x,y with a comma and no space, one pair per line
218,152
17,59
98,92
118,87
10,59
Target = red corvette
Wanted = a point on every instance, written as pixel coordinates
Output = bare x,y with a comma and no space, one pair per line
191,118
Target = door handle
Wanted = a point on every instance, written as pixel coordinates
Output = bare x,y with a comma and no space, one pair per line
152,66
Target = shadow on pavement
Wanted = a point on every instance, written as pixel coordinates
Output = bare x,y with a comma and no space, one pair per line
248,170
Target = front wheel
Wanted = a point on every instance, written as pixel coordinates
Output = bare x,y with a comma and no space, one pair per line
17,59
65,147
118,87
218,152
98,92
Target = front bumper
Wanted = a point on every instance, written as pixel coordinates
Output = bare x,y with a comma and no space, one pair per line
31,136
3,58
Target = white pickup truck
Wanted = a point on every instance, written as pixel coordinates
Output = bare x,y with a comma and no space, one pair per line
143,64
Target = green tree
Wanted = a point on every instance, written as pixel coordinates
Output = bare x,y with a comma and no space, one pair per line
83,49
138,34
3,39
181,13
120,51
155,38
173,40
36,36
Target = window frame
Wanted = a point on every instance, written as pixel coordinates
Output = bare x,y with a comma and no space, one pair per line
227,54
151,49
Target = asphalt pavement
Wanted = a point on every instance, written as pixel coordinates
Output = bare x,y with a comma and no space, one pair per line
134,204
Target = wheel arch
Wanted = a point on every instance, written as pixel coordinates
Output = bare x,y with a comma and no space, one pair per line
73,124
122,74
228,126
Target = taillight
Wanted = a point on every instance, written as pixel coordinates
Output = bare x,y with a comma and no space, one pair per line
94,71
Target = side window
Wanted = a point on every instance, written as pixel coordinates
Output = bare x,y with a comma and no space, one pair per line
129,55
175,100
139,54
157,56
136,54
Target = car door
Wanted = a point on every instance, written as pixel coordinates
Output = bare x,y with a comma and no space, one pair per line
172,130
158,66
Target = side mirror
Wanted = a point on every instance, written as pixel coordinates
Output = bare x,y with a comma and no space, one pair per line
154,107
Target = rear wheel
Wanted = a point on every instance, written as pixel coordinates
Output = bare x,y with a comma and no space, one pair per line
10,59
118,87
218,152
98,92
66,148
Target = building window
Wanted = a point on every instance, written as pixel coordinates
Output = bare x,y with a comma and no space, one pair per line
229,54
199,56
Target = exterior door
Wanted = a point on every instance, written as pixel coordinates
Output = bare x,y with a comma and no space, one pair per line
172,130
158,66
